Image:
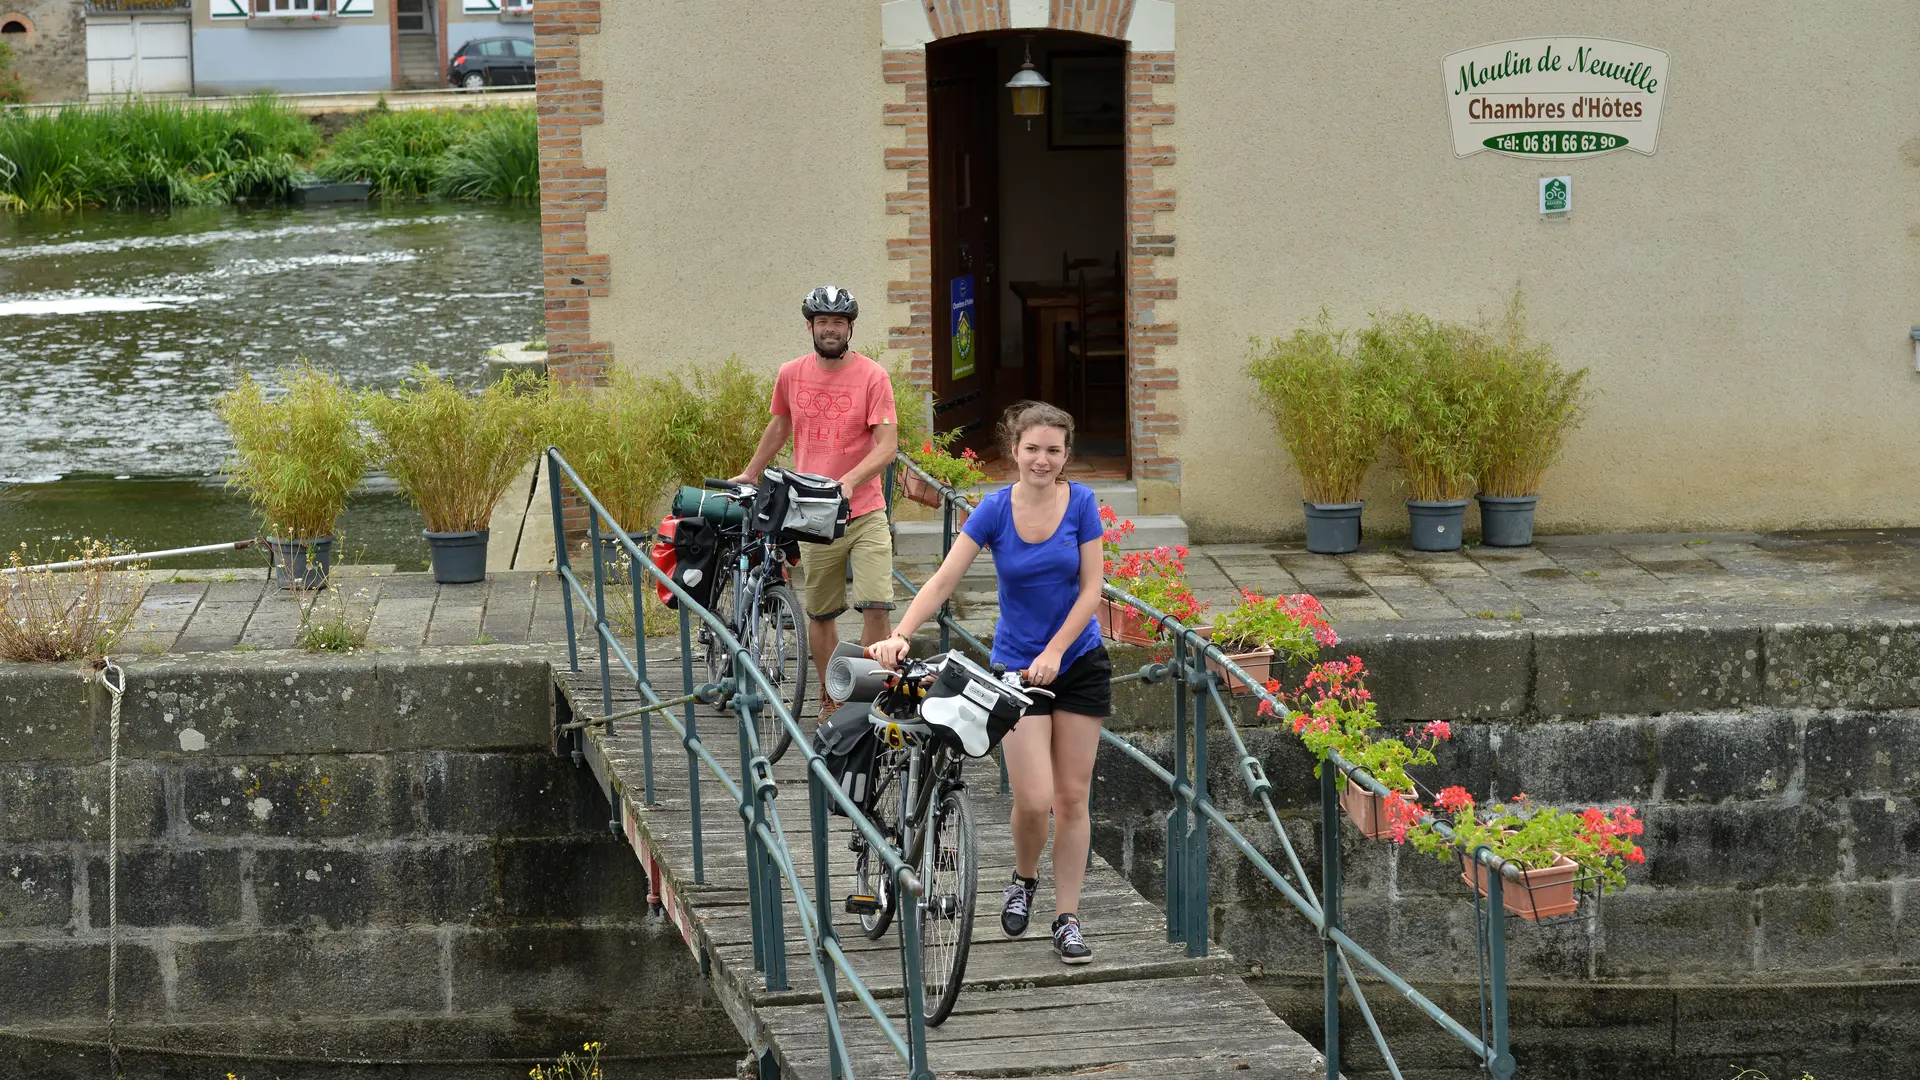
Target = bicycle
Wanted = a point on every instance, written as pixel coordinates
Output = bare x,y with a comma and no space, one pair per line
929,717
750,572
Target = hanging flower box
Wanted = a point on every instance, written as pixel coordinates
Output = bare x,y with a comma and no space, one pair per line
1539,894
1368,811
918,490
1118,622
1256,664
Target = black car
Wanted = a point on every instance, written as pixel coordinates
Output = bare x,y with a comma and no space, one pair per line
493,61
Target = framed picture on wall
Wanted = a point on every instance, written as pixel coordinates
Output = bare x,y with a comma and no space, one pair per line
1089,106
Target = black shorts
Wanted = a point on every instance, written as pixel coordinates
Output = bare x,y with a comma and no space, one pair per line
1085,687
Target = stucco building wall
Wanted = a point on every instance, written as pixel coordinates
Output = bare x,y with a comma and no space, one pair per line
1743,296
51,58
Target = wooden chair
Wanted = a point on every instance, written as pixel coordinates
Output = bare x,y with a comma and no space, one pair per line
1097,352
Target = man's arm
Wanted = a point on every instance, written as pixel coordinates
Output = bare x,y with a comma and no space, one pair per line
886,440
779,429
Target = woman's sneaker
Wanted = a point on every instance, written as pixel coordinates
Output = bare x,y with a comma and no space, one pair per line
1016,904
1068,942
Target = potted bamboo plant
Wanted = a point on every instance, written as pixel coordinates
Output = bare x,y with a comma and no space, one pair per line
1323,395
1533,403
454,454
297,459
1436,420
617,438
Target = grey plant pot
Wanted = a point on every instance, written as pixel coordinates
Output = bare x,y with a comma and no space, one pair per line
1333,528
459,558
302,564
1507,521
1436,526
613,556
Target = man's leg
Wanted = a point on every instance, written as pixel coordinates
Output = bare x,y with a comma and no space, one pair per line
871,558
823,593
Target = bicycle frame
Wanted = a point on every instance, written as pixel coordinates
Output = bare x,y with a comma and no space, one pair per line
748,582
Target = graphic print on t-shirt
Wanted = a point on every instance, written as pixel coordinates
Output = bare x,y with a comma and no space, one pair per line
831,423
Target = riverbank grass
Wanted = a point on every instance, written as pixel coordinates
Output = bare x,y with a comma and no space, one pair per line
55,615
462,153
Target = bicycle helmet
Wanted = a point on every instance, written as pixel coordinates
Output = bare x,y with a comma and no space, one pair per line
830,300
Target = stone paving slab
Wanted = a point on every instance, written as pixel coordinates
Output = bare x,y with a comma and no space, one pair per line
1561,581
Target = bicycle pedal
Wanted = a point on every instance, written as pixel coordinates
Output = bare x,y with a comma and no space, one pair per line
863,905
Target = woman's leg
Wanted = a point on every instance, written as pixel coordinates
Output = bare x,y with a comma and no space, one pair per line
1030,771
1076,741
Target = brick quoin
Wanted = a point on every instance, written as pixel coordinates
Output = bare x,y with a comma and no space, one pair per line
569,191
1150,206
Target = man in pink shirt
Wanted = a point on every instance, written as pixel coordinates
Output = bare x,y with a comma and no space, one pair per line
837,406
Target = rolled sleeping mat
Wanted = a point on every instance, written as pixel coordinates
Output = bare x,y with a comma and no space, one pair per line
851,678
699,502
847,648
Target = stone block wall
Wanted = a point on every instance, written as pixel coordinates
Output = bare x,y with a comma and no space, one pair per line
329,858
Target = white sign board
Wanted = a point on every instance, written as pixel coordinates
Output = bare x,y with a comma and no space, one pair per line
1555,97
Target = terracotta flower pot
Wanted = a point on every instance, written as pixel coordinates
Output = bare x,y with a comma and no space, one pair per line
1539,894
1368,811
1257,664
1118,622
918,490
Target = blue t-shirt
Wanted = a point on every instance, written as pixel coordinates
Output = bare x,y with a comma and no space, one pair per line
1038,582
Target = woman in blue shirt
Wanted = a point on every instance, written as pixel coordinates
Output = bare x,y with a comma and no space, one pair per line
1045,535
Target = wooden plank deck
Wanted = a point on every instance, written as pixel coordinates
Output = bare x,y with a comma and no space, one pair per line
1143,1008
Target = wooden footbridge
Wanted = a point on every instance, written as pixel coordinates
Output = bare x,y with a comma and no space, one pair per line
744,858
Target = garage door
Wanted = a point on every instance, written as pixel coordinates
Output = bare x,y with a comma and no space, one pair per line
139,54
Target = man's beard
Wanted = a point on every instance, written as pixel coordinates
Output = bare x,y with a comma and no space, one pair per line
833,352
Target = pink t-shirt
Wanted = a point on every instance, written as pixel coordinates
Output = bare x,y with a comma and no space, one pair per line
834,414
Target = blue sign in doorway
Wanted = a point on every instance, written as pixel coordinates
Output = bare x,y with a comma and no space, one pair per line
965,342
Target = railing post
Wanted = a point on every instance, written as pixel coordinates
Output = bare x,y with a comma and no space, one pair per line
600,630
1330,912
1502,1065
562,566
823,912
693,759
946,545
1197,905
1179,817
763,883
908,920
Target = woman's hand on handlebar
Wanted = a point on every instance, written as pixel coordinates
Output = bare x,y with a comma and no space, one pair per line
1044,669
890,651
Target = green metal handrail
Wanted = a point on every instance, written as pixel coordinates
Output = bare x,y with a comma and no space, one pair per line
1194,811
769,859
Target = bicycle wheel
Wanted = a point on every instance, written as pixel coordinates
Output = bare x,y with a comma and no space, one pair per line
780,651
869,869
951,870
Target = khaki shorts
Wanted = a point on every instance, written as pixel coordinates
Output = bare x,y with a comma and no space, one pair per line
823,569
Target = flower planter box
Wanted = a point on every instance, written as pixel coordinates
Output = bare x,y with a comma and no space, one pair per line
1257,664
918,490
1539,894
1118,622
1368,811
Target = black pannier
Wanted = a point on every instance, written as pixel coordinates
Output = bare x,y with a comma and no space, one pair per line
800,506
691,558
850,749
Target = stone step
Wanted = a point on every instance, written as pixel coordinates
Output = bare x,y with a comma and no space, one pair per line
922,538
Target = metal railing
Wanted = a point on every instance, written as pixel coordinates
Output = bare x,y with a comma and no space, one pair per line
752,789
1195,668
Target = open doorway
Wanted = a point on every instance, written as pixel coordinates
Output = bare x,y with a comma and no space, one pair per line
1029,233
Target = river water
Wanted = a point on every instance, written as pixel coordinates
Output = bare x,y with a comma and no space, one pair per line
118,331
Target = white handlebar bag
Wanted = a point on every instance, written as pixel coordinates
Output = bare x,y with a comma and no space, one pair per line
969,708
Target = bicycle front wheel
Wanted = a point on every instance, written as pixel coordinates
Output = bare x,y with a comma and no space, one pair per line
951,869
780,651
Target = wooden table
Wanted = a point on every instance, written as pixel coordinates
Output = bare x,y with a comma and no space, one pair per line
1044,307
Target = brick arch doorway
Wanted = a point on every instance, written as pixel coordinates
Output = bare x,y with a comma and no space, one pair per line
1028,227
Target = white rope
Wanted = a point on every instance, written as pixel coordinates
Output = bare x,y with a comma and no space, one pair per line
115,681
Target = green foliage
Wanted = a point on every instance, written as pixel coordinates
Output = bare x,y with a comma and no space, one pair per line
1294,627
152,154
572,1066
910,403
1532,402
330,625
934,457
1535,837
12,90
463,153
454,453
713,417
500,159
1437,412
1323,393
616,438
53,615
296,458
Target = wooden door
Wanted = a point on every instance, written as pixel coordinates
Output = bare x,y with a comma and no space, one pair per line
965,190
